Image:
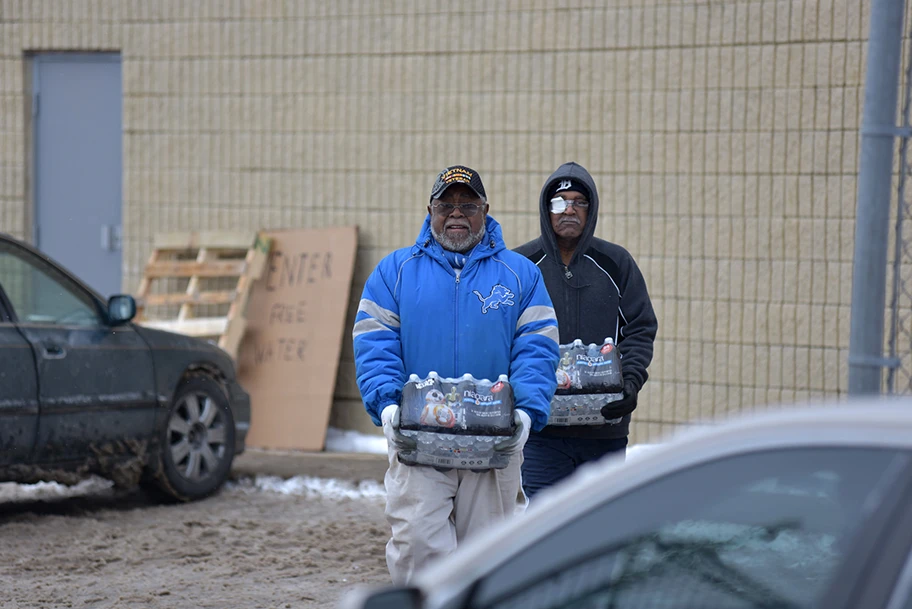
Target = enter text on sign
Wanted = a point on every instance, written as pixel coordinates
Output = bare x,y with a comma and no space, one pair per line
297,269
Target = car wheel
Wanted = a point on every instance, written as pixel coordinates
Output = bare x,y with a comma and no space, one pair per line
197,443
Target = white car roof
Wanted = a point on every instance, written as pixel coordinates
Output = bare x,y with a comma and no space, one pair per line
879,421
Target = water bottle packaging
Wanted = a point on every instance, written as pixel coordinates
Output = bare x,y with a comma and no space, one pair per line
589,369
488,406
451,451
462,406
573,410
456,421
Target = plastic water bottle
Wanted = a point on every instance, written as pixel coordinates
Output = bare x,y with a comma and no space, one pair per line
436,414
565,370
560,411
489,407
421,402
412,403
610,377
577,350
453,400
427,442
466,388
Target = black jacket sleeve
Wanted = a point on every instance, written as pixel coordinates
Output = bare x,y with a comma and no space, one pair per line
638,324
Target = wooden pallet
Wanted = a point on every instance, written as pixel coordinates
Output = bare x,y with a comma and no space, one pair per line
193,261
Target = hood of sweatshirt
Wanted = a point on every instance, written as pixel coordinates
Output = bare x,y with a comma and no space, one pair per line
567,171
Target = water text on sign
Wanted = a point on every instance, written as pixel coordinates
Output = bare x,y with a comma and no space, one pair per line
281,350
293,270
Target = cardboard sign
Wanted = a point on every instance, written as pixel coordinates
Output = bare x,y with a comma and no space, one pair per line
289,356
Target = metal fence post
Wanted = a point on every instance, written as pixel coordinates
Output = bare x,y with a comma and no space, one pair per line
875,176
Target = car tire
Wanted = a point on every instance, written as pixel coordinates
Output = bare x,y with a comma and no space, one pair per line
196,446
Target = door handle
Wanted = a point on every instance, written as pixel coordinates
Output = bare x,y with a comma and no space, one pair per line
53,351
110,237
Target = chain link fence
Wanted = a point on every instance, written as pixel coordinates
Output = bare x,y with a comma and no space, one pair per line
899,370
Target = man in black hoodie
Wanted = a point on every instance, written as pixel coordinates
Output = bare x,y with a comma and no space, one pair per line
598,291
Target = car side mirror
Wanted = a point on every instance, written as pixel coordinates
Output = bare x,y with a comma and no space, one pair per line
393,597
121,308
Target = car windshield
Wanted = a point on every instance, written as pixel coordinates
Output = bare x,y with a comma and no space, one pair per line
756,531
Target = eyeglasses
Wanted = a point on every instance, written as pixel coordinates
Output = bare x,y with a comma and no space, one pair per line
559,205
467,209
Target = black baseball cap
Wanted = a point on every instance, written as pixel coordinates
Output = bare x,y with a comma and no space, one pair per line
568,184
458,174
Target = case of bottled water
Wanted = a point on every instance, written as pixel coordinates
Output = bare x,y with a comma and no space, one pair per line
456,421
588,377
581,409
592,368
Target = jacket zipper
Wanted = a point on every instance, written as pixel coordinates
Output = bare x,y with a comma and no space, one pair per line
456,329
569,295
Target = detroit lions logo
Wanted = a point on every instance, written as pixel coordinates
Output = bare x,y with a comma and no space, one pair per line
500,295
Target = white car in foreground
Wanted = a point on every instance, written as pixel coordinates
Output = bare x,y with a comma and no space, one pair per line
789,509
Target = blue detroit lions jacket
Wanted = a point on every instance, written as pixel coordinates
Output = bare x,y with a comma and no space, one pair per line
416,315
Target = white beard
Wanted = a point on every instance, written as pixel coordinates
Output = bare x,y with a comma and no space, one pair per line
459,245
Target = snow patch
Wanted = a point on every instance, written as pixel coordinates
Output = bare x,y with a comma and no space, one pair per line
309,486
11,492
348,441
328,488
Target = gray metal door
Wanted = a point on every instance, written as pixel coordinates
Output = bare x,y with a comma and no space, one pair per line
77,120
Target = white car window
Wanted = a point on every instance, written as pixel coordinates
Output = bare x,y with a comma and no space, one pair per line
760,530
39,295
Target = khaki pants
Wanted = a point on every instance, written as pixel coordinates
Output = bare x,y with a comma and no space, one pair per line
431,511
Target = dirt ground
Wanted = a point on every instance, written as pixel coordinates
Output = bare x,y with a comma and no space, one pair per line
244,547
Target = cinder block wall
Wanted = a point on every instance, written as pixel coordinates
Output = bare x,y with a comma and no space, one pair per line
723,138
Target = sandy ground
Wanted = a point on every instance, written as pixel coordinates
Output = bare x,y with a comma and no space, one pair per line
261,542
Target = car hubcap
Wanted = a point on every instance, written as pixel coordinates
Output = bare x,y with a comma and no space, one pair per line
196,436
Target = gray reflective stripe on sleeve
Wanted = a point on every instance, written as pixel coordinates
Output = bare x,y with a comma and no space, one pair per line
386,317
538,313
367,325
548,331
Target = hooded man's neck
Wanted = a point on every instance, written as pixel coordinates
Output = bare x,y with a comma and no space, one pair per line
567,247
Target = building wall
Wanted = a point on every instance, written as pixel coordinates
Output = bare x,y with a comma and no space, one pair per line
723,138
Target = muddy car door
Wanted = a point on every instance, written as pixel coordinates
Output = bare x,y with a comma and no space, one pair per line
96,390
18,393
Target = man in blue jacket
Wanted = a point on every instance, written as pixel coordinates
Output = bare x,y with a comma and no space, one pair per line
598,292
456,302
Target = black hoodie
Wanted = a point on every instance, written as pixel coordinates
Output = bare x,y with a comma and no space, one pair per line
600,293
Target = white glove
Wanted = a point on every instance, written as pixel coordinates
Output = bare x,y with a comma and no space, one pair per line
390,420
515,443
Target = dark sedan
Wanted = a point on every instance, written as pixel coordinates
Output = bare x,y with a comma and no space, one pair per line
85,391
